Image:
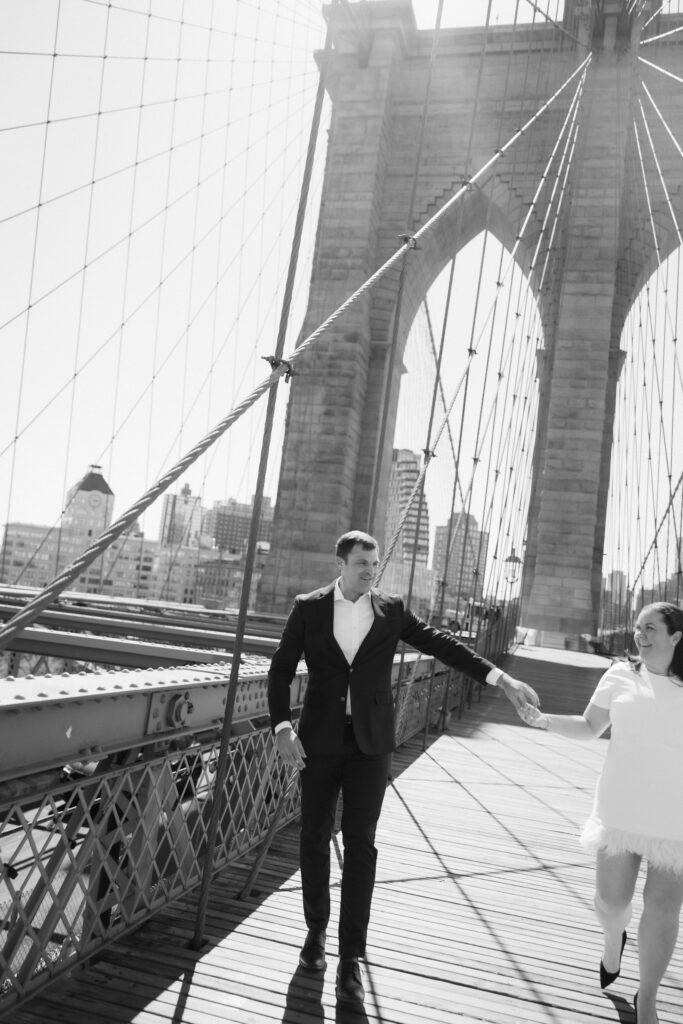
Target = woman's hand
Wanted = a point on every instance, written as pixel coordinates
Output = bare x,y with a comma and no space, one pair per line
533,717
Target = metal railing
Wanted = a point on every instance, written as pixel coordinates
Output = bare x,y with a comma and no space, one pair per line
106,782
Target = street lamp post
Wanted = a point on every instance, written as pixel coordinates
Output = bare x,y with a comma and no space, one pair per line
511,564
511,569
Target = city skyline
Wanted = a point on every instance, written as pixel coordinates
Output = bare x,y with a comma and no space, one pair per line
84,390
186,522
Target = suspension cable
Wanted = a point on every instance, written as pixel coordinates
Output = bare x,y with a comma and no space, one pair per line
571,113
662,35
389,368
33,608
662,71
556,24
236,662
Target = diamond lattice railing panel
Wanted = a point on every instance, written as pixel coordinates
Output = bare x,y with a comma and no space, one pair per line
98,852
93,850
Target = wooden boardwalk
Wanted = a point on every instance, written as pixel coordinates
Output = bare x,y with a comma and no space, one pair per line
482,910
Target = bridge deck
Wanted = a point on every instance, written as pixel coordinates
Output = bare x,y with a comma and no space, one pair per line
482,910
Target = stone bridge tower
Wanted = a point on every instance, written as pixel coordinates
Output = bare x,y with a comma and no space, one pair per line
376,81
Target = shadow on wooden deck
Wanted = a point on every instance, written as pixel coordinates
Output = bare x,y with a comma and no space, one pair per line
482,909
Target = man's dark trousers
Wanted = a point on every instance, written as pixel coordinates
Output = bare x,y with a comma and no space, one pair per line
362,779
333,760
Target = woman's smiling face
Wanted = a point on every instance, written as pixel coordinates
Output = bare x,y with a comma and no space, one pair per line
654,642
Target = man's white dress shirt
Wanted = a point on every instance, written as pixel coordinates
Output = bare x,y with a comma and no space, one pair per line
352,623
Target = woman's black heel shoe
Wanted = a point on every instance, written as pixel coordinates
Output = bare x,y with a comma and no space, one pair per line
607,977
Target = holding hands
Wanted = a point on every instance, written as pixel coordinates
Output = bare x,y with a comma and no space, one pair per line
520,694
533,716
525,701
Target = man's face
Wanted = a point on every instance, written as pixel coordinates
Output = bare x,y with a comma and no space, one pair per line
358,571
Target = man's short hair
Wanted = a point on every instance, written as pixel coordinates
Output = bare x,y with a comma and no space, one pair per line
348,541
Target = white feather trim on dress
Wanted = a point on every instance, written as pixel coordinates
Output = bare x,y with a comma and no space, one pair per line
666,854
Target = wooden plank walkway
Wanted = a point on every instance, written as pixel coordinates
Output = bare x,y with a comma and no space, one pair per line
482,910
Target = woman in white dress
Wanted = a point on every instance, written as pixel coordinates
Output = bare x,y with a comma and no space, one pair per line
638,809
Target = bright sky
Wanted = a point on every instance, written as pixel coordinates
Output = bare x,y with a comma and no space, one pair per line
458,13
134,313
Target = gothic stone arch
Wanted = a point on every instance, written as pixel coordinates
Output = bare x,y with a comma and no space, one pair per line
376,81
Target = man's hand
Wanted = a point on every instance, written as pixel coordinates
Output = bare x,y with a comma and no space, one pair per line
518,693
289,748
533,717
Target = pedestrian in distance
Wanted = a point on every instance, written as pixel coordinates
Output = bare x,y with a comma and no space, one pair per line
348,632
638,809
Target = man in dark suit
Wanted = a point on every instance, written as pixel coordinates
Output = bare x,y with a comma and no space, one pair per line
348,633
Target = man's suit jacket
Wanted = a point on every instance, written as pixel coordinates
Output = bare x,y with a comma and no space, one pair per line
309,632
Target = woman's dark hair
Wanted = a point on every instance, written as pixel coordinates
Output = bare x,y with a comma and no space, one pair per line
673,619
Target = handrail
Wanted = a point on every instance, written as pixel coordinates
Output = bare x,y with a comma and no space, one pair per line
105,782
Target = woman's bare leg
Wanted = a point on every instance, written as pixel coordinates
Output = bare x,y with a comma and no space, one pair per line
616,876
657,933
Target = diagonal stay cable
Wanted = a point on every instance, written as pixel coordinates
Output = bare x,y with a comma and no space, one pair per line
391,355
657,375
556,24
473,348
658,530
582,69
281,368
168,274
672,214
666,190
429,455
218,798
654,14
662,71
662,35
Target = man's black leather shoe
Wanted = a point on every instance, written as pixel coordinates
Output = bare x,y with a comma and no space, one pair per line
349,987
312,955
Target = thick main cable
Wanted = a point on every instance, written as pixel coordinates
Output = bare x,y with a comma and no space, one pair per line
33,608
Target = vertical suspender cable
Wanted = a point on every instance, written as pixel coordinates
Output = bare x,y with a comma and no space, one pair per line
34,260
391,358
428,453
217,801
450,541
32,609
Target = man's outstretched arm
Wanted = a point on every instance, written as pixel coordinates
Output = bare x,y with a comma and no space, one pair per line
518,693
457,655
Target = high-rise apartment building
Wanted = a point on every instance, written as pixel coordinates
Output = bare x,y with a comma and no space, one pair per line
33,555
184,566
228,523
132,566
464,574
89,505
181,519
414,538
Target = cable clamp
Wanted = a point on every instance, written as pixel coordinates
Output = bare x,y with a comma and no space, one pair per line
429,453
275,364
9,870
409,240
